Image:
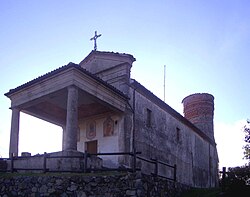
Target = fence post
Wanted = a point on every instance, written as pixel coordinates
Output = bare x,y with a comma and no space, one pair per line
223,179
85,161
44,162
223,173
11,163
175,170
134,160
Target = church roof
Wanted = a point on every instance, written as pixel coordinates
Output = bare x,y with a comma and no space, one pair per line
60,69
140,88
105,53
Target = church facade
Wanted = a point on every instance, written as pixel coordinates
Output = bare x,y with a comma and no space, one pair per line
101,109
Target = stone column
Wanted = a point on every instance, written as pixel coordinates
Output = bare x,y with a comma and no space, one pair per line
70,133
63,137
14,133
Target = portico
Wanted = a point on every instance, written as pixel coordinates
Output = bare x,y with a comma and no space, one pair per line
63,97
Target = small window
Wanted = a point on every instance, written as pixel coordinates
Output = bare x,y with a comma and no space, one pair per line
149,118
178,134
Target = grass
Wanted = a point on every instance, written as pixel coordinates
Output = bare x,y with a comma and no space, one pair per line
15,174
214,192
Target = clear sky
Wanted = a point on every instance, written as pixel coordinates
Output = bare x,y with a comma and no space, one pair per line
204,44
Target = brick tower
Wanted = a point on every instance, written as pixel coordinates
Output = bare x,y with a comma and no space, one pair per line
199,110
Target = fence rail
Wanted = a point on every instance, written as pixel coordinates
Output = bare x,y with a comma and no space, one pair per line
156,163
85,157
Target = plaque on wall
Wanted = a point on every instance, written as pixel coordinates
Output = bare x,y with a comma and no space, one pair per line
108,127
91,130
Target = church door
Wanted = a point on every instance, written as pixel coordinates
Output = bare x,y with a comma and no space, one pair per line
91,146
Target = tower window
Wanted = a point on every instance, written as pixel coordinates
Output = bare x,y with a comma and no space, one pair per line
149,118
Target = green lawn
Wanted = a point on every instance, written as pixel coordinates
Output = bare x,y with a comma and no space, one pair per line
203,193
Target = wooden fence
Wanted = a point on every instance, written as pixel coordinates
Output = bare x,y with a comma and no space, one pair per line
133,168
156,164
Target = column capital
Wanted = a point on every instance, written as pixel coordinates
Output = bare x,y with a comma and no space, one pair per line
72,87
15,108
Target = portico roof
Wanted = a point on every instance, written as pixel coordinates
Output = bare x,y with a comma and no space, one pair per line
58,70
46,96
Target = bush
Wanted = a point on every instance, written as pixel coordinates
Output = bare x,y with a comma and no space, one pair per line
236,181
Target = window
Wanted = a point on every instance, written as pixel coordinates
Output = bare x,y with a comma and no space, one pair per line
149,118
178,134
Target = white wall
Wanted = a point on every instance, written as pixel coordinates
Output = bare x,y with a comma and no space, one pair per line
105,144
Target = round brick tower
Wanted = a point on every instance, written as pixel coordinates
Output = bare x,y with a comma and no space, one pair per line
199,110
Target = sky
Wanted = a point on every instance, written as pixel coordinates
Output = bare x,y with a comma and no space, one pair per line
204,44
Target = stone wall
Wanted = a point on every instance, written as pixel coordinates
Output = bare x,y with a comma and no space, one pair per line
92,185
163,134
71,161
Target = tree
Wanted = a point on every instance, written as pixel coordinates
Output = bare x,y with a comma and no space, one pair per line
247,140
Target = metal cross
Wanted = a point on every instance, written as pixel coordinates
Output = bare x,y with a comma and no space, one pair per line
95,38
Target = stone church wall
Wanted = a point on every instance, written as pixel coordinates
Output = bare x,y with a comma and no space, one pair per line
160,135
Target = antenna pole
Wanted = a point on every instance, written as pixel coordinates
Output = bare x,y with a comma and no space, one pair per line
164,80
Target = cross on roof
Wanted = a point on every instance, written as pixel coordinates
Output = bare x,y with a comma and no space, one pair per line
95,38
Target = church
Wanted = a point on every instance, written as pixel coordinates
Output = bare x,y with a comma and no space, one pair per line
101,109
